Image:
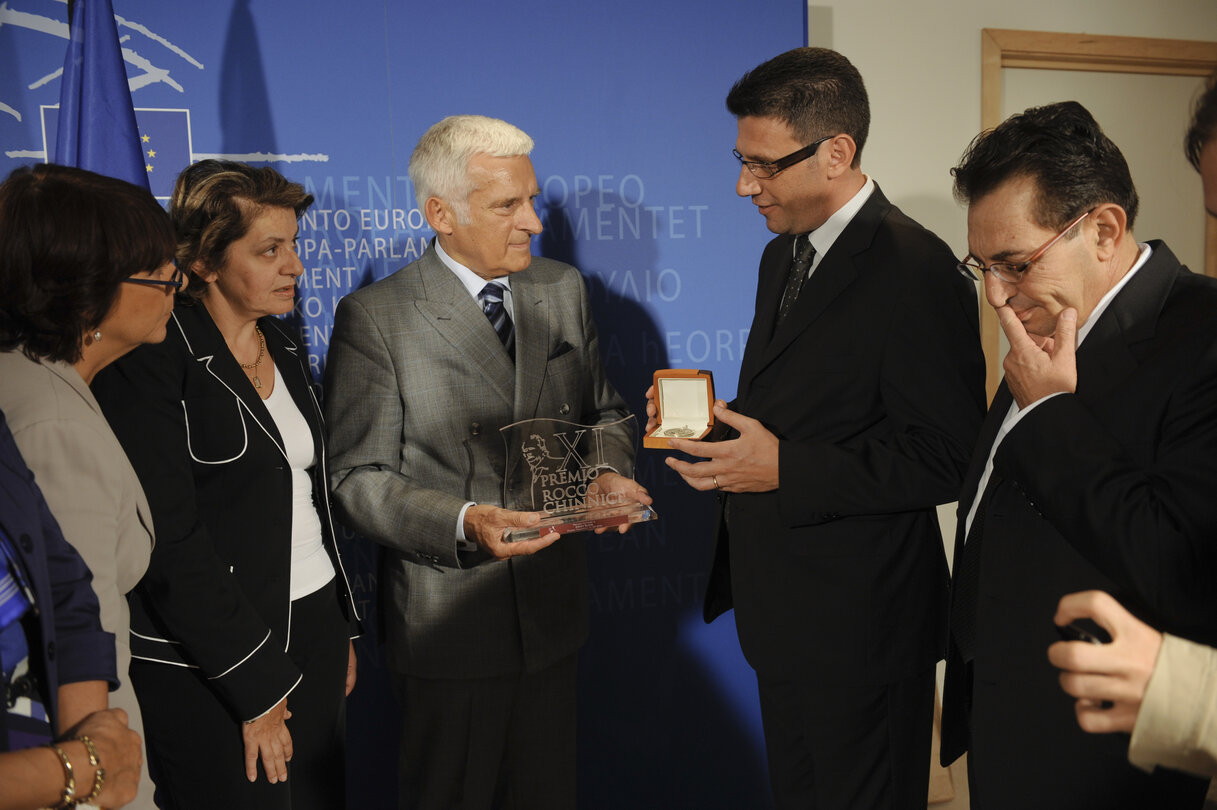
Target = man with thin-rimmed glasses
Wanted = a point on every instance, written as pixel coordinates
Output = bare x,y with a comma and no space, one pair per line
1096,466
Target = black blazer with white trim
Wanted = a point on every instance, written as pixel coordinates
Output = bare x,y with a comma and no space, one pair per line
211,460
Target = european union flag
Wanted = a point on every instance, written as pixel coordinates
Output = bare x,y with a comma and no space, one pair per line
164,139
97,128
164,136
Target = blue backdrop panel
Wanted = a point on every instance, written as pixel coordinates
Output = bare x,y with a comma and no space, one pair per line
625,101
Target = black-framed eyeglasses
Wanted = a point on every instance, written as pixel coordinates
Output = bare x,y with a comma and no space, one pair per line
175,282
765,170
1010,272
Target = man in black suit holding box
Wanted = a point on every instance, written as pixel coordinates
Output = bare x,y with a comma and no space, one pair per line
860,395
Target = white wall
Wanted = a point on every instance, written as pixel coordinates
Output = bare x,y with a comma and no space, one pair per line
921,63
1147,117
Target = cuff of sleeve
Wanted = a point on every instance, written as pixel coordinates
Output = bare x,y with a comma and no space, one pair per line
276,703
1177,718
437,520
88,656
463,543
1032,406
258,682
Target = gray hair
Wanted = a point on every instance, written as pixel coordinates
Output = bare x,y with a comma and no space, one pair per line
439,166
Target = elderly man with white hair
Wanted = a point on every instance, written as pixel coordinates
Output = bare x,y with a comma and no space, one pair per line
424,368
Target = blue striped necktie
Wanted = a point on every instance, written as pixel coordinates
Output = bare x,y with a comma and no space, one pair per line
491,299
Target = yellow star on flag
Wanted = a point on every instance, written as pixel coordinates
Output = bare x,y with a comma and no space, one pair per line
145,138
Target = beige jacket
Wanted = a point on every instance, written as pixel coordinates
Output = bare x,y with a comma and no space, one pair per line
92,492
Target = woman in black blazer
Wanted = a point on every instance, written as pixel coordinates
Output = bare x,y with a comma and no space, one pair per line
240,631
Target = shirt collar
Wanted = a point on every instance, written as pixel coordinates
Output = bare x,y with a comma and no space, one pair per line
1101,307
823,237
469,279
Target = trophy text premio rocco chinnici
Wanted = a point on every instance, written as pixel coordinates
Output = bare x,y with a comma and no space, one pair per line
554,467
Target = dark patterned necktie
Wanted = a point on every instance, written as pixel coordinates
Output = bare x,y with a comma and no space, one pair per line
491,299
803,258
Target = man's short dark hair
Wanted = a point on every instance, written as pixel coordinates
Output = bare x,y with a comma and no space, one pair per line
814,91
68,238
1063,149
1204,123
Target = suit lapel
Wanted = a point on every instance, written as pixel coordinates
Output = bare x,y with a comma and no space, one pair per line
287,354
774,270
837,270
1132,317
453,313
205,342
834,274
984,443
532,321
1104,358
771,286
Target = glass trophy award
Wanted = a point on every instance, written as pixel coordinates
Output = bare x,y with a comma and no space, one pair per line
565,471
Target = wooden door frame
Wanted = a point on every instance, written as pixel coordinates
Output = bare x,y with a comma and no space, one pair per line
1047,50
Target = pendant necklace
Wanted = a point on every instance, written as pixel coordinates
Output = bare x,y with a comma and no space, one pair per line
261,353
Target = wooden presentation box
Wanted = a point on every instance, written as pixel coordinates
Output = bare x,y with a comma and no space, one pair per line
684,404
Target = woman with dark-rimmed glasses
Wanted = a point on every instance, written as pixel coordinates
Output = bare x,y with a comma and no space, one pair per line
86,265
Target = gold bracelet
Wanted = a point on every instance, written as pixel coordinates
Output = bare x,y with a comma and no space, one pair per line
99,773
92,749
69,787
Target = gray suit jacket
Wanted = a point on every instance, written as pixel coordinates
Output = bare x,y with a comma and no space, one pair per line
417,387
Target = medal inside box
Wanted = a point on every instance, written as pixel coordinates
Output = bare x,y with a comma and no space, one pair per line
684,400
